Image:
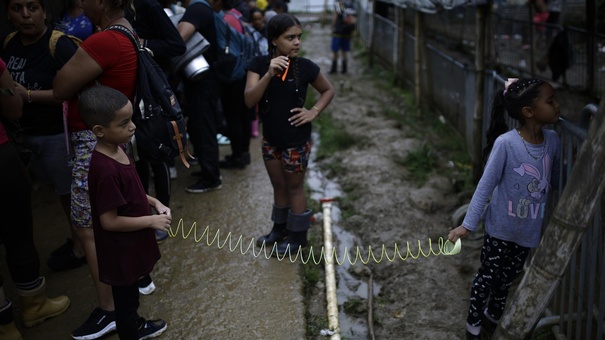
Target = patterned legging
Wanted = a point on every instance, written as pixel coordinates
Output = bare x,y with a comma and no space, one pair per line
501,263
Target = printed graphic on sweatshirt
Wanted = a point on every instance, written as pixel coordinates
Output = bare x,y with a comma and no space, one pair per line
532,206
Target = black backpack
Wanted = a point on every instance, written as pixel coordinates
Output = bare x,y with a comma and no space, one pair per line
160,134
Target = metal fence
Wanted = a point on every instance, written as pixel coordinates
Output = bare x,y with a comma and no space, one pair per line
577,309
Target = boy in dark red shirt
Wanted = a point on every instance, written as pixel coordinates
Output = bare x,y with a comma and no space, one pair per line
122,221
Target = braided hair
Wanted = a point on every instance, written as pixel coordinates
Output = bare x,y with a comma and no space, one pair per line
512,100
279,24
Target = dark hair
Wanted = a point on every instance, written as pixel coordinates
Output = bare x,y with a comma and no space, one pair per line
518,95
98,105
42,3
254,10
45,7
277,25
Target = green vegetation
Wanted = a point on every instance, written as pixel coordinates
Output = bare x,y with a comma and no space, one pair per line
333,138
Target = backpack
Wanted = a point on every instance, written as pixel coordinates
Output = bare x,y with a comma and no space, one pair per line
234,49
261,44
52,43
160,134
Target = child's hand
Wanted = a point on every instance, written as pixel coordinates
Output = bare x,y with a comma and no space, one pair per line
160,222
161,209
303,116
278,65
455,234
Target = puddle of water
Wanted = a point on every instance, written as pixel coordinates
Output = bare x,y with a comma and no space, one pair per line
349,287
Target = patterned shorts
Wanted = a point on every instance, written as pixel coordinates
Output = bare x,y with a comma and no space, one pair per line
293,160
84,143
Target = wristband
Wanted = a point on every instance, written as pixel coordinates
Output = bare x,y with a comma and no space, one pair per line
29,96
316,109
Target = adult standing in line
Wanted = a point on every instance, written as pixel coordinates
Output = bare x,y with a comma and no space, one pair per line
33,56
202,100
17,227
157,33
237,116
106,57
74,22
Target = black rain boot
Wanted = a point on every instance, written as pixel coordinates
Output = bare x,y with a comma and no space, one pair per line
279,216
344,66
488,327
334,67
298,224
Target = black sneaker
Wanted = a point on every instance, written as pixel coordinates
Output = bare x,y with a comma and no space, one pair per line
232,163
203,186
63,258
151,329
66,248
99,323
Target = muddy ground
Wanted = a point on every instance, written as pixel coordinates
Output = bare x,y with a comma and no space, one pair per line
230,296
424,298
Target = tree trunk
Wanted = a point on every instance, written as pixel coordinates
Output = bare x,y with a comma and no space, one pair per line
562,236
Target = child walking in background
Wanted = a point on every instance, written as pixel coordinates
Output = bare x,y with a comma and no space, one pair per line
343,23
278,84
122,222
517,177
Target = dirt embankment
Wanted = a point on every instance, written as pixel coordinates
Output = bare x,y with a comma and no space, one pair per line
423,298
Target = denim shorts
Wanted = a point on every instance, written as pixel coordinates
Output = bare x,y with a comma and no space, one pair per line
84,143
293,160
341,43
51,161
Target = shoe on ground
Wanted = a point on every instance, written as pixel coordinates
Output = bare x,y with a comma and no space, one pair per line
151,329
66,248
146,286
222,140
232,163
203,186
160,236
173,173
63,258
99,323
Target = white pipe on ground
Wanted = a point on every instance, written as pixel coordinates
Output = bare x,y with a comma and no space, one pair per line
331,299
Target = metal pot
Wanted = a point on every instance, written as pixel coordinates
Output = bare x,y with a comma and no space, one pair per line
191,65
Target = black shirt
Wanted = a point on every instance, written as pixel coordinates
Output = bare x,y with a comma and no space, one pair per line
202,17
153,25
282,96
34,67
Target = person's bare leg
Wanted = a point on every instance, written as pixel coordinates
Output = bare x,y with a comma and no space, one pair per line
296,191
278,181
77,245
104,293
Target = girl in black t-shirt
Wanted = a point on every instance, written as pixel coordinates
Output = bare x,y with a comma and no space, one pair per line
278,84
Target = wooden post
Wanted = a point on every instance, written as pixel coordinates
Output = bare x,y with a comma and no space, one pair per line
418,32
562,237
400,63
479,85
372,30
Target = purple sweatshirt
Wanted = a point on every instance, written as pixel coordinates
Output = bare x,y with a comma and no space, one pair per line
518,185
